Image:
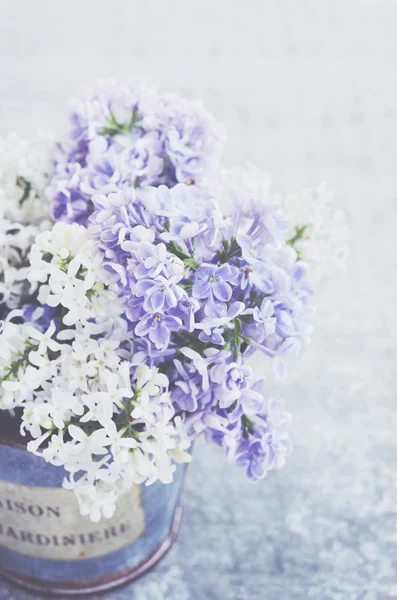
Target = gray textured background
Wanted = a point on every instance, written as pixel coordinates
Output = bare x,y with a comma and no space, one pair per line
307,89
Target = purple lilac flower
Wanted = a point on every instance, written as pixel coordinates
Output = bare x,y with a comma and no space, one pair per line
233,379
186,309
191,214
252,399
144,156
152,261
102,175
192,379
263,322
258,455
186,389
69,202
158,327
199,302
218,318
208,421
251,250
160,294
267,444
40,316
213,281
213,335
264,316
252,456
264,223
130,135
148,263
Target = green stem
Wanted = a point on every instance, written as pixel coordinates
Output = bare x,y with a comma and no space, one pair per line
17,364
26,187
299,233
115,128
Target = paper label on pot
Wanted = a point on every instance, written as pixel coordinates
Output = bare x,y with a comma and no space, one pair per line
46,523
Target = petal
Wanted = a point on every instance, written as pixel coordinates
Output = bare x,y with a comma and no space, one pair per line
172,323
235,309
159,336
201,288
144,326
222,290
76,433
156,301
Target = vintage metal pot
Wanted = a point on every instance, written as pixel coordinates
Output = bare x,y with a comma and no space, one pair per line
47,546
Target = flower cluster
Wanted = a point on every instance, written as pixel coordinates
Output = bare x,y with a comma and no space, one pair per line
318,230
25,166
202,292
24,170
83,390
126,323
317,227
123,136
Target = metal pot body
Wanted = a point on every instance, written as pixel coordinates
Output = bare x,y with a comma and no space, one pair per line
47,546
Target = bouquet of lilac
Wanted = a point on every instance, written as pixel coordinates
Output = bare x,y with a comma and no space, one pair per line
136,279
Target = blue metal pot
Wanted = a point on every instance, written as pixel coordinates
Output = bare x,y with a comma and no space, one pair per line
46,546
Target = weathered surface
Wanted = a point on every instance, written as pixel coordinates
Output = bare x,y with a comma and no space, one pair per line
308,90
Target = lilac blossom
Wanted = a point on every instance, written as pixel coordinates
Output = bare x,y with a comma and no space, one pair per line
267,444
160,273
263,322
199,297
233,381
252,456
218,318
158,327
186,309
215,282
186,389
131,135
159,293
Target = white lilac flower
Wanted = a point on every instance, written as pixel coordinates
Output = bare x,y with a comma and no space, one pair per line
56,451
15,242
66,261
24,211
61,387
47,368
318,229
25,165
44,340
